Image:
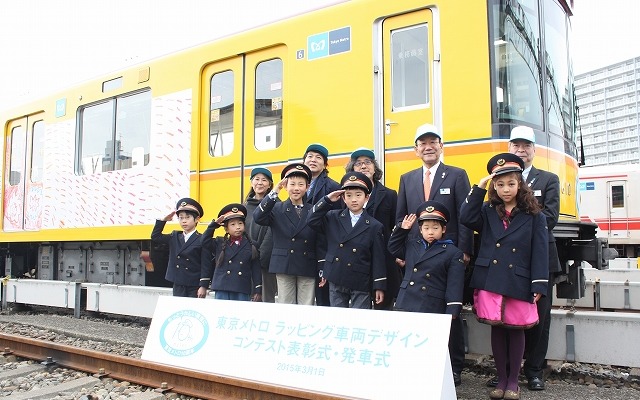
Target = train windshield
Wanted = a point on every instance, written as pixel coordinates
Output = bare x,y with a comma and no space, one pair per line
532,76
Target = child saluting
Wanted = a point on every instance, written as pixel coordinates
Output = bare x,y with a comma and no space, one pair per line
512,269
355,260
434,276
237,274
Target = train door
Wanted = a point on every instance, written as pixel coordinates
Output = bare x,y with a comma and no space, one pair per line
242,123
408,87
618,218
24,169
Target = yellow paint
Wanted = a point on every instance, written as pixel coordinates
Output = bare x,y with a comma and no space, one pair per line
329,100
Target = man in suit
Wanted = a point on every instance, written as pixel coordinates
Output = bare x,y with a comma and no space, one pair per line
187,256
546,188
448,185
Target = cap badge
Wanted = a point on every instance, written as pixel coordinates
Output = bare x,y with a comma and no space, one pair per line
184,203
234,209
299,167
352,178
500,162
430,209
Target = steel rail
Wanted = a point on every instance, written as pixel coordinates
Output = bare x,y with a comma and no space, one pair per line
163,377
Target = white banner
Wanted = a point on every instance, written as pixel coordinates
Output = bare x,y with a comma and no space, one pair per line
365,354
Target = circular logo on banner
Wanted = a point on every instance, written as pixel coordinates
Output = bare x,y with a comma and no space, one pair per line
184,333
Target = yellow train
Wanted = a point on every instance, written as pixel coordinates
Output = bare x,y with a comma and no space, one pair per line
89,169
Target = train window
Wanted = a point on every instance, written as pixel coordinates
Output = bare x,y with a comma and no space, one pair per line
617,196
409,67
18,149
268,105
515,38
115,134
37,151
221,114
559,94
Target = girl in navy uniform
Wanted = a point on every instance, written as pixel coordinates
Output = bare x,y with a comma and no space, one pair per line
434,275
511,271
236,263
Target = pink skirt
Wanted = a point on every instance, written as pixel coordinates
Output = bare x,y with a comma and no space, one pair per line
496,309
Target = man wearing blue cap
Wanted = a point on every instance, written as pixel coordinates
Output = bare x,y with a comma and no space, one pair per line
186,254
316,157
448,185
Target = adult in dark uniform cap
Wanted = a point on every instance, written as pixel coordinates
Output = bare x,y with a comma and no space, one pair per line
186,253
434,275
296,250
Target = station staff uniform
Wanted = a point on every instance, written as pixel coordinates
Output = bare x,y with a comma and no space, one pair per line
186,257
546,189
434,273
296,250
235,265
355,257
505,263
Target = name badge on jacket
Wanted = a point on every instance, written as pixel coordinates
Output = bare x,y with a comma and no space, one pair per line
537,193
445,191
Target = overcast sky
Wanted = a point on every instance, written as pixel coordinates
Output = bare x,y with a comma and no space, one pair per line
50,44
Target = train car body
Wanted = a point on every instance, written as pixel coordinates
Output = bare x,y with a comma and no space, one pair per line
610,197
88,170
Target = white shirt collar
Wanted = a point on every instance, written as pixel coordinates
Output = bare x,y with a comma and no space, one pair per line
432,169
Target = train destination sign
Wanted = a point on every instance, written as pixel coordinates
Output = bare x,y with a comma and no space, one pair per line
346,352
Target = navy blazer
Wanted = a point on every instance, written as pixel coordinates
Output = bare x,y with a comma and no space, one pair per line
450,187
434,277
296,247
355,255
323,186
513,262
185,260
239,271
546,188
382,206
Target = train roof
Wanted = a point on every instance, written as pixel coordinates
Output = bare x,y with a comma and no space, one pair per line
605,170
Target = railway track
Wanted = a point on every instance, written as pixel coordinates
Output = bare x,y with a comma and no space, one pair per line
162,377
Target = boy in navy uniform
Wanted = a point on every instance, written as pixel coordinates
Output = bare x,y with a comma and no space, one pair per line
434,272
355,260
186,254
295,254
235,262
